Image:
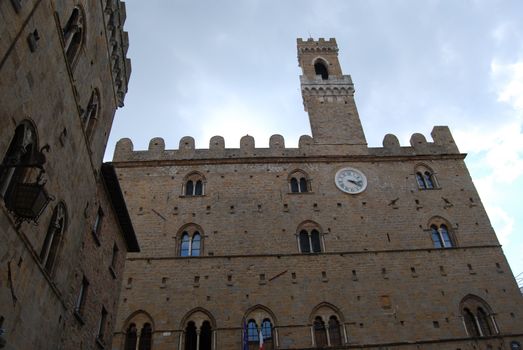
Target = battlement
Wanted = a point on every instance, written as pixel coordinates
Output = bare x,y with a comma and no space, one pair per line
115,15
320,45
443,143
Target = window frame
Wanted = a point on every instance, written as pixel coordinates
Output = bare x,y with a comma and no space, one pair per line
470,308
426,178
311,229
441,236
53,238
198,185
299,182
185,248
81,300
68,35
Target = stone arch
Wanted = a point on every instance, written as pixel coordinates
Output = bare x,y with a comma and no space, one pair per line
440,226
299,181
327,325
425,177
478,317
190,230
322,309
259,318
321,67
198,329
139,321
198,315
141,316
194,184
478,300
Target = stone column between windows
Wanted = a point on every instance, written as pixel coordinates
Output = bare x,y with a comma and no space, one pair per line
345,334
496,329
312,336
275,337
464,324
328,336
478,325
198,338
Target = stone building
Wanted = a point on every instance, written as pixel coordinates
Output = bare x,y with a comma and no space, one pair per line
64,226
331,244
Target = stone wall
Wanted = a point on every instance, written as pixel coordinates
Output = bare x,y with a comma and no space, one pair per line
40,87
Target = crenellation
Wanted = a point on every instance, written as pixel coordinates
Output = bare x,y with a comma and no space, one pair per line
443,144
277,142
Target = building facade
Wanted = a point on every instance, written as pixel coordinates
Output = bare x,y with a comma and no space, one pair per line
64,226
331,244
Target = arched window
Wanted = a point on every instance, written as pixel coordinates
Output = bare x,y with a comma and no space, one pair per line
131,337
91,114
199,333
425,178
73,34
53,238
21,151
477,317
309,238
441,236
194,185
327,326
139,332
145,337
320,68
190,241
299,182
260,329
334,331
320,333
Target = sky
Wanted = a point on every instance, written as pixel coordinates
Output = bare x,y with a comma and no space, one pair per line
204,67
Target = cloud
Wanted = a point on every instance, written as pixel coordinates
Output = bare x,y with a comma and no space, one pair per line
499,150
510,77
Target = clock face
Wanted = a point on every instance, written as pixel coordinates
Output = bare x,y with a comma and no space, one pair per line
350,180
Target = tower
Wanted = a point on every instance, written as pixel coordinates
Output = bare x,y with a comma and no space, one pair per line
328,96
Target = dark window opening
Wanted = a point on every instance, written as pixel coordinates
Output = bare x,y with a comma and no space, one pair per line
320,333
304,242
190,336
315,240
131,337
334,331
145,337
321,69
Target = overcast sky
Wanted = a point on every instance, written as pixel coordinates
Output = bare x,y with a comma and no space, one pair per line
229,67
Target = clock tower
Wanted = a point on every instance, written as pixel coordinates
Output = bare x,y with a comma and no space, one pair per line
328,97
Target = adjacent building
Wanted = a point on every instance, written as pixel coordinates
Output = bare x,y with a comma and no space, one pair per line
333,244
64,226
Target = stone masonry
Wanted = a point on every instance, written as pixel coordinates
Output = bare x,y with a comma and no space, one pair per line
63,74
379,270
